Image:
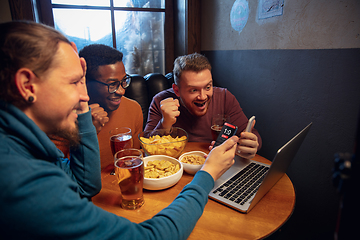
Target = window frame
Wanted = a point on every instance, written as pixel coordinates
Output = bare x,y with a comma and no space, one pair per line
182,24
45,13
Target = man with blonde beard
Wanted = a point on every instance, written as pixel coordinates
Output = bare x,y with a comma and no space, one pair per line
46,196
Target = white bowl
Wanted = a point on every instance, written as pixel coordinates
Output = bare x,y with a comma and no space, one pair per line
191,168
164,182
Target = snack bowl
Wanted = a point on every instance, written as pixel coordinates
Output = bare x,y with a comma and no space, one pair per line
169,142
189,167
163,182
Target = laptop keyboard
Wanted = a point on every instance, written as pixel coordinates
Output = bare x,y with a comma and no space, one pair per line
244,184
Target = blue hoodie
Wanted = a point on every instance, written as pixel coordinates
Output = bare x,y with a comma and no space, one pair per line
44,196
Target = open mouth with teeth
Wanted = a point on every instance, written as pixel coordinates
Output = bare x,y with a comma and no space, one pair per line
112,104
115,100
199,107
200,104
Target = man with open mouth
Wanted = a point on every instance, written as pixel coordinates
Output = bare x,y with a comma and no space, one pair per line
47,196
193,100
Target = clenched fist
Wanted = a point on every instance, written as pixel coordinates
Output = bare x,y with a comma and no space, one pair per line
170,111
99,116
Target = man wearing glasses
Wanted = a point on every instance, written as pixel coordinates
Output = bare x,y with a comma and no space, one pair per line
106,82
43,195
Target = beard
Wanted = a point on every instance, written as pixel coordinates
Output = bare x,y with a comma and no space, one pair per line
70,138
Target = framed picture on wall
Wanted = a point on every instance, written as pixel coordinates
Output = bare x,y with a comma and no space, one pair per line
270,8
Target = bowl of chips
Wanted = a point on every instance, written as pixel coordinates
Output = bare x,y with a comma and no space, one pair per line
169,142
161,172
192,161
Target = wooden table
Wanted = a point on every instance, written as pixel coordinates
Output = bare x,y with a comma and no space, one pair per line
217,221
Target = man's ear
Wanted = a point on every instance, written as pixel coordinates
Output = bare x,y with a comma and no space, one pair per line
24,80
73,45
176,89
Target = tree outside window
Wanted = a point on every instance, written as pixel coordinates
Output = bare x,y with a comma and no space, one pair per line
134,27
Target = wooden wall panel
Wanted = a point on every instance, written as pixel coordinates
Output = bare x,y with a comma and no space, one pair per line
22,10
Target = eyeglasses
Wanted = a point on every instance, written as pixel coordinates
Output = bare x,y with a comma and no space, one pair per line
114,86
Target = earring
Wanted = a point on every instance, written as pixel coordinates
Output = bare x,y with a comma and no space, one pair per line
30,99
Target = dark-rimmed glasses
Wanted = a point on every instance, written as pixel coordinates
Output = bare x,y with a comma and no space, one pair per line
114,86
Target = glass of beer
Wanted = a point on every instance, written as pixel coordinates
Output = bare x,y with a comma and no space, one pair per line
217,122
120,138
129,170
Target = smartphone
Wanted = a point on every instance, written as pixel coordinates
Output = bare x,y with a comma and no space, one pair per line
227,131
250,123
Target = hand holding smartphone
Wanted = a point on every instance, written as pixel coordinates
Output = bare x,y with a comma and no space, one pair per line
250,124
229,130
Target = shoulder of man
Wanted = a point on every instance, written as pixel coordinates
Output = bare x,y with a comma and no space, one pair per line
219,89
129,101
165,94
222,91
224,95
129,104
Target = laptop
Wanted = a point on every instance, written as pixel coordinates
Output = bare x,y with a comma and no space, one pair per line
247,181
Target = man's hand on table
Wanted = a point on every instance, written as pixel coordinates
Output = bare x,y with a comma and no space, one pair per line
221,158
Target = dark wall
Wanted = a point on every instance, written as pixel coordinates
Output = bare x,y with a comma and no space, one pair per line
286,90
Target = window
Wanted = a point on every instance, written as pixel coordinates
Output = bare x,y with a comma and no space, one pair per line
135,27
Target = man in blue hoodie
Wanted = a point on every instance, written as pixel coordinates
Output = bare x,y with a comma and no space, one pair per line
46,196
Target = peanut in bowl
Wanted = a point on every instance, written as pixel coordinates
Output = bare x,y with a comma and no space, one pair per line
169,142
192,161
